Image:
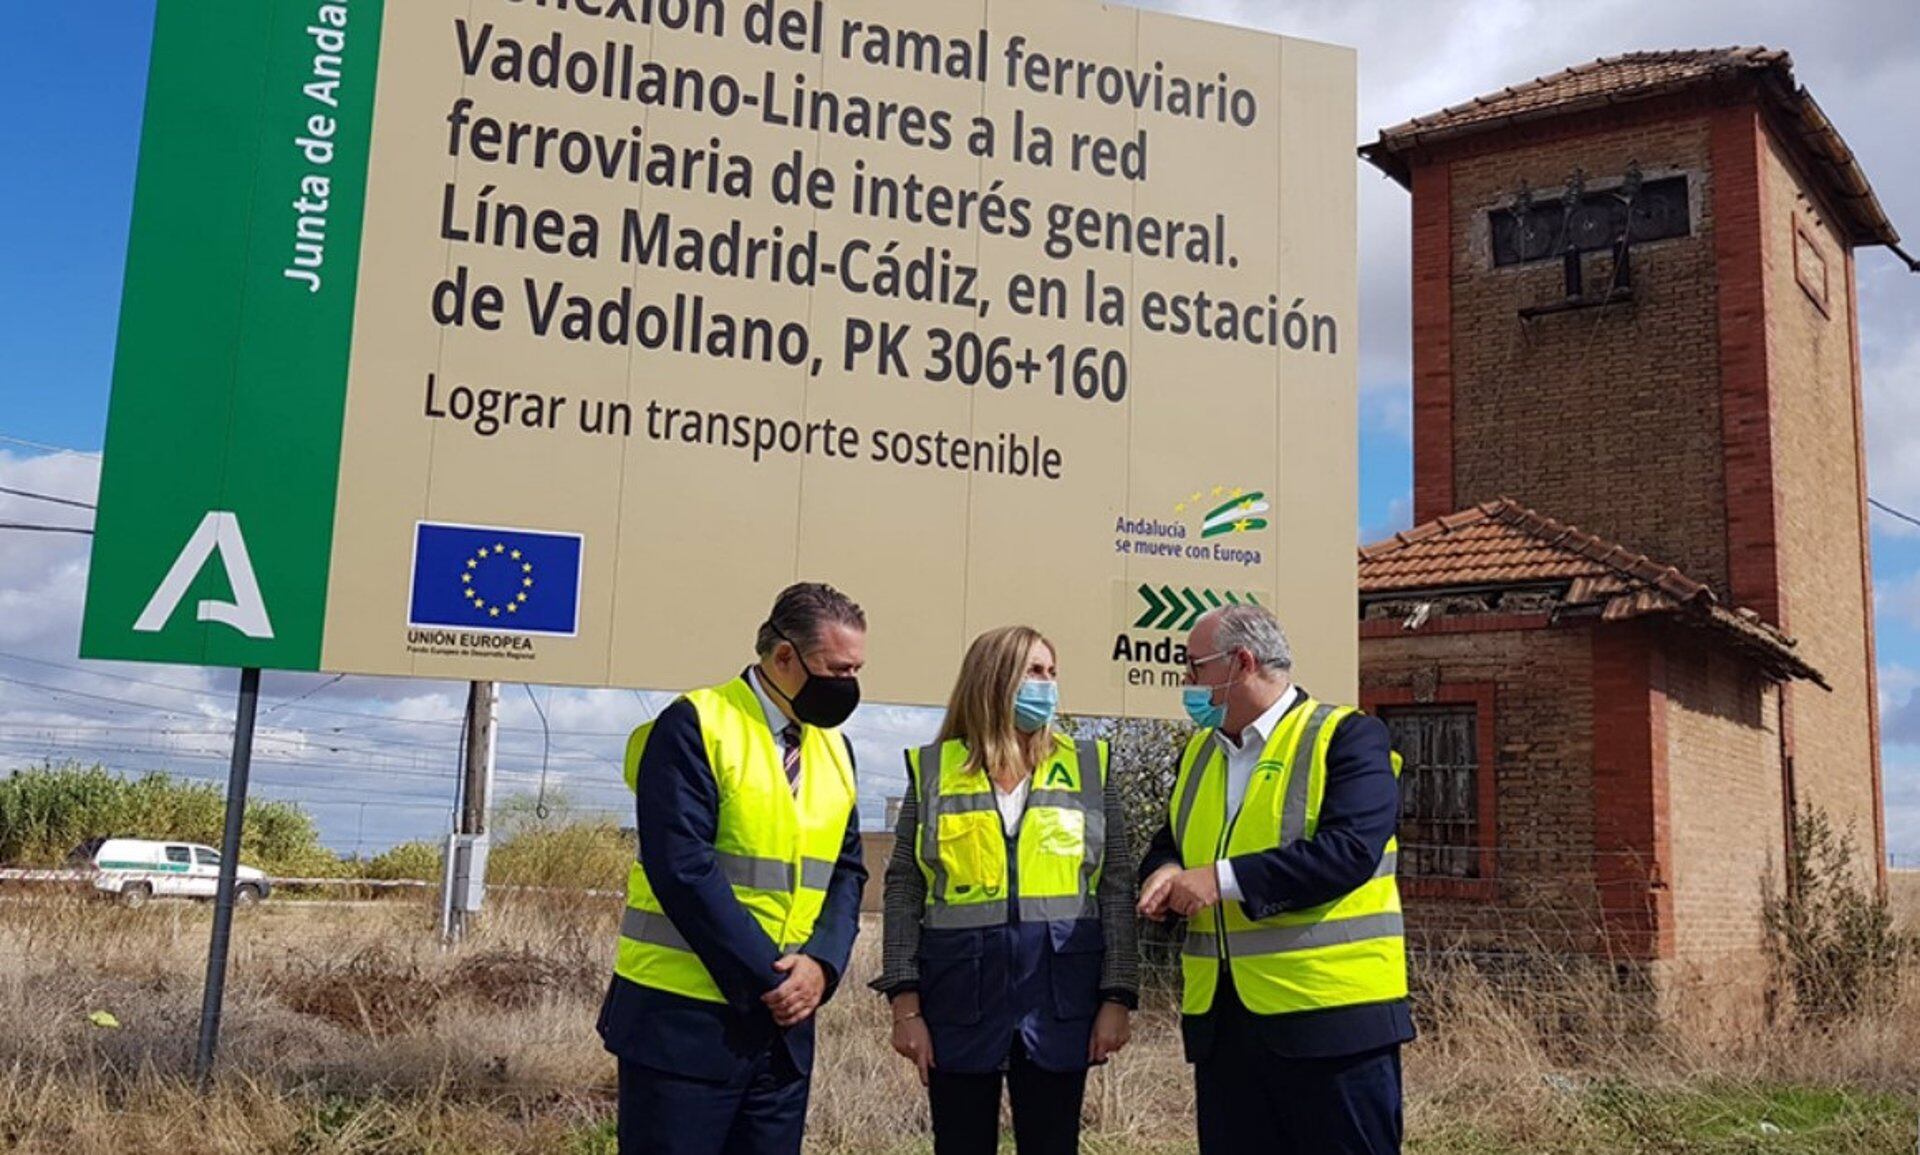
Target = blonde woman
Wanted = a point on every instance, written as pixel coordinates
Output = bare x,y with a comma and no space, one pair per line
1010,951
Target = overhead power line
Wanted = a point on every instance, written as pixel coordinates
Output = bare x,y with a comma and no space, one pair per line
1883,507
227,696
43,446
28,493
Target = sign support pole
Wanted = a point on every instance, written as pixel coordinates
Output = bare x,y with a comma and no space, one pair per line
215,990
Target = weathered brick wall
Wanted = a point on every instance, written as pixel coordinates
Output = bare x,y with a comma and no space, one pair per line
1543,891
1824,597
1727,835
1605,418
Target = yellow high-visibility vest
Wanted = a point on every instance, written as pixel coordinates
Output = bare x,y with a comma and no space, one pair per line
962,846
777,850
1343,953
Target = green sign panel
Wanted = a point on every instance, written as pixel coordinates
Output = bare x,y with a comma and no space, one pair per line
223,436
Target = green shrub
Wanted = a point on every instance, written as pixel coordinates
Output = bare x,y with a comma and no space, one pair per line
1832,932
47,811
416,860
564,847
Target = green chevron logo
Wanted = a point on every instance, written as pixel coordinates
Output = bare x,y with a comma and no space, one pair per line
1177,609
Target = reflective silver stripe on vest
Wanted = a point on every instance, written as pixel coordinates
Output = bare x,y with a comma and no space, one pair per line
755,873
1389,862
930,820
967,803
1058,799
658,930
1293,813
1060,908
653,929
1191,794
815,873
1088,800
1093,794
1271,940
945,916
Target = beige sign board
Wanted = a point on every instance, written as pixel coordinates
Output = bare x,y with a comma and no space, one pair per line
1035,312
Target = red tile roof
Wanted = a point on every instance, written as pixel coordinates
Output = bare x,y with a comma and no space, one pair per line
1504,544
1635,76
1608,80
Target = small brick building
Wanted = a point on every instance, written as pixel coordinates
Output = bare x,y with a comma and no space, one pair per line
1633,311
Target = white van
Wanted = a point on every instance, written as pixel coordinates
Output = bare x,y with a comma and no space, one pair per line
137,869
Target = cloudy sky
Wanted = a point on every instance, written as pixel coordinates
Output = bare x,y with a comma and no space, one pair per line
375,759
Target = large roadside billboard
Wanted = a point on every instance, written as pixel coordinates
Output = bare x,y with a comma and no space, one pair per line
545,341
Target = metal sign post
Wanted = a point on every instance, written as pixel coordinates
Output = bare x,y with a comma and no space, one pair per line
216,985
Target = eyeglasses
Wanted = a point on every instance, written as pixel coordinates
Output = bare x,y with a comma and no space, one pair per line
1194,664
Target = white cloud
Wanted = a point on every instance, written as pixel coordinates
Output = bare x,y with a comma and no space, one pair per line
1892,393
1399,516
1902,792
43,580
1896,681
1388,409
1418,58
1898,598
1899,705
375,757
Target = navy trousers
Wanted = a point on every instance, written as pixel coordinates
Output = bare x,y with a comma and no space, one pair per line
1253,1102
666,1114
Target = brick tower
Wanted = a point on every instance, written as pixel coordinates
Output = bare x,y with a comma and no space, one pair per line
1633,311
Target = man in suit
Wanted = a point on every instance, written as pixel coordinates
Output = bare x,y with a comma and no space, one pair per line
1279,852
744,901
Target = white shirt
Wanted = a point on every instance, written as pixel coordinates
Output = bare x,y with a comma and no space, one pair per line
1241,760
1012,803
776,721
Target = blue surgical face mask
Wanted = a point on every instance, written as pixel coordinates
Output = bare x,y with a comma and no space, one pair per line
1034,703
1201,708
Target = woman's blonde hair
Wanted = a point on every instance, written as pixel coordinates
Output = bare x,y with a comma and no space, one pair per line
980,710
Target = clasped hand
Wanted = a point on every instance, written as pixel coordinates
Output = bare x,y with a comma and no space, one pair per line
1172,890
800,993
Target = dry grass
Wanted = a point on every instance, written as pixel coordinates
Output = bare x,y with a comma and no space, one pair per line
349,1030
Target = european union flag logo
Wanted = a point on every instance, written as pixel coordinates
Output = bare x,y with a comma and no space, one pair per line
517,581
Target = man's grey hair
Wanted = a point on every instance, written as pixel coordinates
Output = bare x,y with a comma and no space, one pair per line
1254,629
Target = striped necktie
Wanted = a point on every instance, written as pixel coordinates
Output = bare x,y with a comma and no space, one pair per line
790,759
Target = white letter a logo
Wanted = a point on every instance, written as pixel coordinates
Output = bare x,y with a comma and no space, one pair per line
219,530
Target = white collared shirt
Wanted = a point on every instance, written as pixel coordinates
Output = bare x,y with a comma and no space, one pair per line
776,721
1241,760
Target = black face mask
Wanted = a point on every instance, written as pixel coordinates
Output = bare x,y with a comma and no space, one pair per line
822,701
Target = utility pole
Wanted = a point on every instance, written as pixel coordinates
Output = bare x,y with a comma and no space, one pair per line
464,880
483,698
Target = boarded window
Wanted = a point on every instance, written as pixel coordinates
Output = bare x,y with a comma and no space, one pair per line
1544,230
1439,789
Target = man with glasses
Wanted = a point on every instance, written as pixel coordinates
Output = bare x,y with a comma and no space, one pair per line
744,899
1279,852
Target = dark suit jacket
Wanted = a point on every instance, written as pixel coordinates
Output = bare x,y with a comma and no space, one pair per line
678,802
1358,815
